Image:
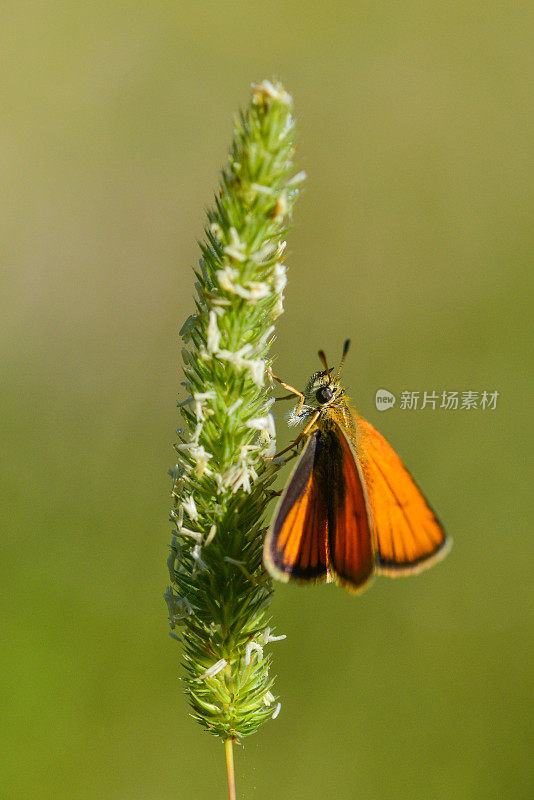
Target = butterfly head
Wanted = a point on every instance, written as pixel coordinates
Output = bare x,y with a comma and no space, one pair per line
321,392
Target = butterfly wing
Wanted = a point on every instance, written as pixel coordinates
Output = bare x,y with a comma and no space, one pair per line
350,549
296,543
408,535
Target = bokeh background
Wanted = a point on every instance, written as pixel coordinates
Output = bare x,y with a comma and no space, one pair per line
414,238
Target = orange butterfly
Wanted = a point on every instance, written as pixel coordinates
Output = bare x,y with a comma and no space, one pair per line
350,509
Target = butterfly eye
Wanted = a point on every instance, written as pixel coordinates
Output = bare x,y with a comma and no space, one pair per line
324,394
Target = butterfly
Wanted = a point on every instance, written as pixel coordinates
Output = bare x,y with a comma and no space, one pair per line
350,510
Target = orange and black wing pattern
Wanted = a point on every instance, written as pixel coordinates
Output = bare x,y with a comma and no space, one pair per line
408,535
350,542
321,528
296,543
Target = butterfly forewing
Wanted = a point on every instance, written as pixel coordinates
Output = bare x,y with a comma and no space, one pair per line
350,548
408,535
321,527
295,546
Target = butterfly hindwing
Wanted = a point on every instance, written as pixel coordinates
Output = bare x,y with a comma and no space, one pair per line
408,535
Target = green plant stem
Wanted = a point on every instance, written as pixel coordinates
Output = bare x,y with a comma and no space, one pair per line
220,592
230,768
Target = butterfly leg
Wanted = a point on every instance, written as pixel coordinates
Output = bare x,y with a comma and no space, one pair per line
285,397
304,432
290,389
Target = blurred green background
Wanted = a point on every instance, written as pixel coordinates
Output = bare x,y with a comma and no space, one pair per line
414,238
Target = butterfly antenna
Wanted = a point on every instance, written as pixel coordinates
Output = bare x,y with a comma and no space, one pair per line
345,351
325,364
